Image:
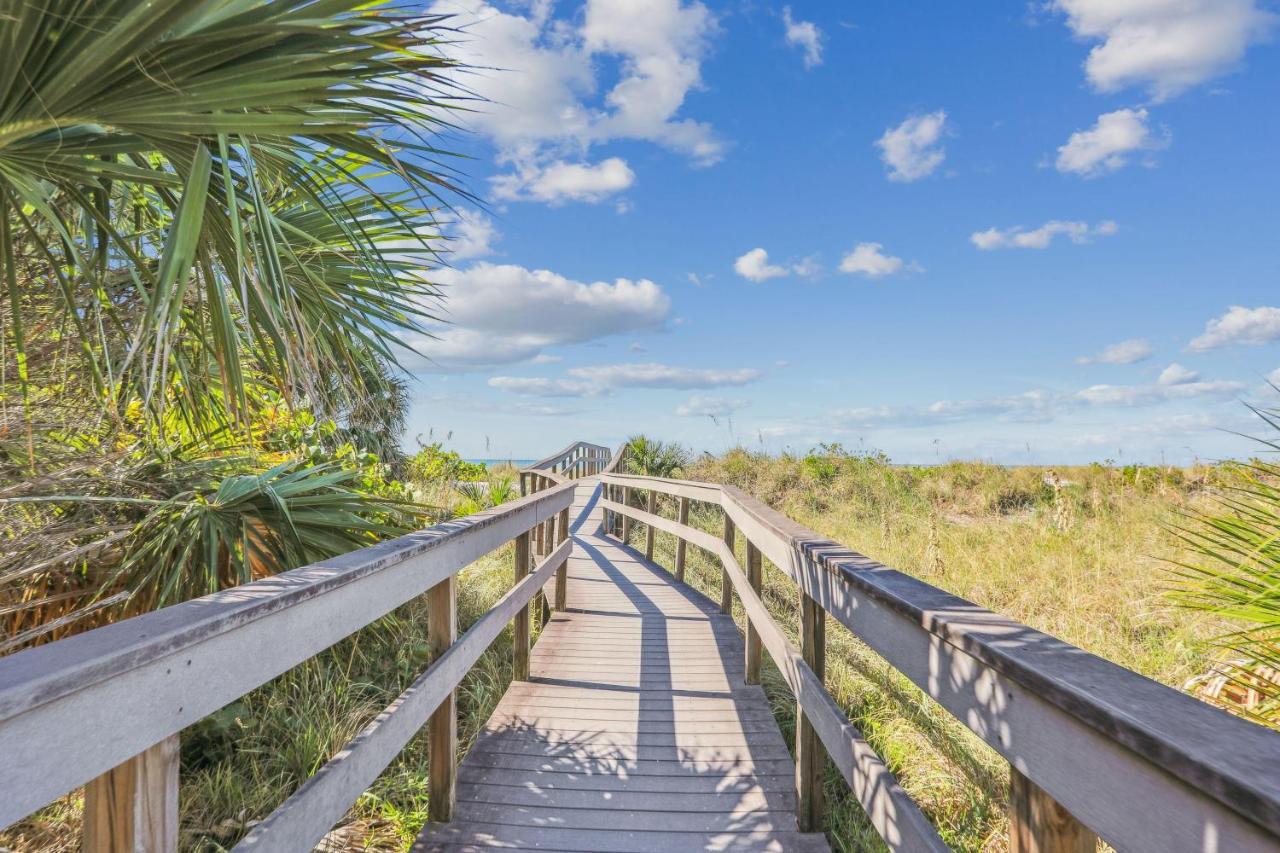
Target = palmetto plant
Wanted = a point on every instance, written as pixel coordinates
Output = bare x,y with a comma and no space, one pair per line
1236,575
215,217
654,458
204,195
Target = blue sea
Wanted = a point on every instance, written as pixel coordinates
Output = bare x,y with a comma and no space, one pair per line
519,463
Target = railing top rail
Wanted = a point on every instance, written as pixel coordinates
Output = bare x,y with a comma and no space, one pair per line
73,709
1235,762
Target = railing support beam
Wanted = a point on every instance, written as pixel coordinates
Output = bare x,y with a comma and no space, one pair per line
626,519
134,806
681,545
520,630
562,573
442,725
810,759
648,537
726,585
1039,824
754,575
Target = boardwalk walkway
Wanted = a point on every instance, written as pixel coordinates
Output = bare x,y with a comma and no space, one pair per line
635,731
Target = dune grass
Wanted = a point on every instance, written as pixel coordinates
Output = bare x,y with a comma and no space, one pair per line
1076,552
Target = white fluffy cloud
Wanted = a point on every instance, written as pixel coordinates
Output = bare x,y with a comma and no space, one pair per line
1140,395
474,235
913,149
869,259
502,313
1176,374
712,407
604,378
1125,352
1108,145
539,80
1018,237
1240,325
558,182
1166,46
754,266
804,35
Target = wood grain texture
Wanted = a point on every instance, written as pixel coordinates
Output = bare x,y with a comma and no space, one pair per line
635,731
726,586
1039,824
133,808
681,545
754,576
810,759
520,629
442,726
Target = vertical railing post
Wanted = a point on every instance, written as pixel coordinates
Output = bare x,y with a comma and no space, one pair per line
809,755
520,629
726,586
134,806
648,536
626,519
680,543
562,573
1039,824
753,636
442,726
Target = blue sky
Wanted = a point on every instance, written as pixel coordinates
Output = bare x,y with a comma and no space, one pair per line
1043,232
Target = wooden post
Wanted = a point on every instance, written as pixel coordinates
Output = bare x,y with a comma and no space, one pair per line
680,543
753,637
520,631
809,756
626,519
1039,824
648,537
726,585
442,726
562,573
134,806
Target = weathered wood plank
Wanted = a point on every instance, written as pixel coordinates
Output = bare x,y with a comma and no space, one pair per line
810,758
1039,824
133,808
442,725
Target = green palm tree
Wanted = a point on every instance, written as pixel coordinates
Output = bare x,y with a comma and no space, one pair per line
1235,574
210,196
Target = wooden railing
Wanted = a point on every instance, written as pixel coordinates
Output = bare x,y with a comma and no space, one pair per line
104,709
1095,750
579,459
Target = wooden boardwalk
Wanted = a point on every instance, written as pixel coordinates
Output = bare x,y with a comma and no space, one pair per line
635,732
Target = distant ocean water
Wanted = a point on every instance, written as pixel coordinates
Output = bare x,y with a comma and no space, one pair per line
519,463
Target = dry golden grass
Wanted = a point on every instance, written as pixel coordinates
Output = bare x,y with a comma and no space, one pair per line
1076,552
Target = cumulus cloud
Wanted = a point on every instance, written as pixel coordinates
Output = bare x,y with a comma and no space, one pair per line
1240,325
1274,377
1036,405
1166,46
1108,145
559,182
474,236
503,313
600,379
754,266
913,149
1125,352
870,260
804,35
540,80
713,407
1138,395
1019,237
1176,374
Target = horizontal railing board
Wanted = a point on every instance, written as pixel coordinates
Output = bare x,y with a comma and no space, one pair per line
1231,760
71,710
307,815
895,816
677,488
